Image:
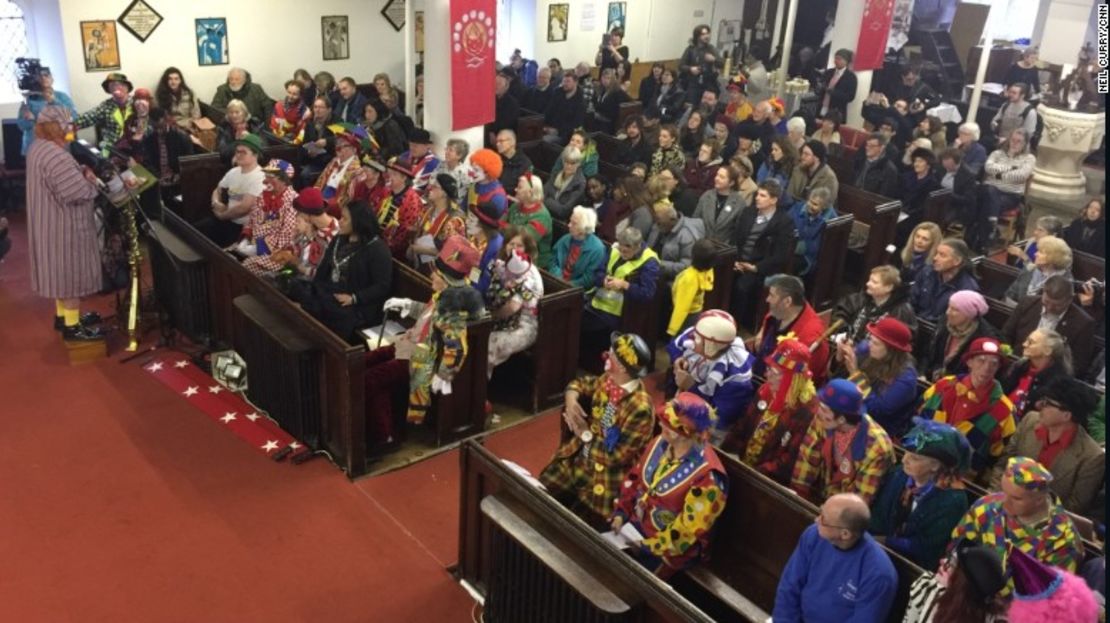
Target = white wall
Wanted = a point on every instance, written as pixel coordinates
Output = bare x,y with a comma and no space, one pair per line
44,36
1064,30
270,39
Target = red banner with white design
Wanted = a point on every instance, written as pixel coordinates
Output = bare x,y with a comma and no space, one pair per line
473,26
874,32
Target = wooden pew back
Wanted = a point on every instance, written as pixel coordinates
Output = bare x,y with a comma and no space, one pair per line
529,126
828,274
554,356
875,214
200,173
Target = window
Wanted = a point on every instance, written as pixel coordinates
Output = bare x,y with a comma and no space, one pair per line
13,35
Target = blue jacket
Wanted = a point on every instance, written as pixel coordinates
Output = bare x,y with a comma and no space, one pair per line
769,170
929,295
891,405
590,259
824,584
493,248
354,110
35,104
724,382
809,229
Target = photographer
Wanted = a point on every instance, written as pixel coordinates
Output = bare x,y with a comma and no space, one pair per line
38,86
699,65
610,54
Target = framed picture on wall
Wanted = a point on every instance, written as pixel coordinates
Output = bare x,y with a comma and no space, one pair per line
140,19
100,45
418,31
333,31
616,16
558,16
212,41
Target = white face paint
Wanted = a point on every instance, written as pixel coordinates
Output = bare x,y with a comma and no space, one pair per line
608,363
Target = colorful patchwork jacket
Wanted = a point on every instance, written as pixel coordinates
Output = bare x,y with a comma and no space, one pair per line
986,420
817,476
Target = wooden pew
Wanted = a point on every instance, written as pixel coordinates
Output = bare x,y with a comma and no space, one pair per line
935,209
529,126
543,156
829,272
1086,266
608,151
876,217
200,173
995,277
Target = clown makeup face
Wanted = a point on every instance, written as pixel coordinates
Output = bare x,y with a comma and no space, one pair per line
142,107
118,91
303,225
774,378
983,368
273,184
516,243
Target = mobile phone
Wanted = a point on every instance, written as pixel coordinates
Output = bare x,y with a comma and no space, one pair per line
605,40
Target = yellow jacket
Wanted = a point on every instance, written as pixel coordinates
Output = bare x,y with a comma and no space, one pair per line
688,294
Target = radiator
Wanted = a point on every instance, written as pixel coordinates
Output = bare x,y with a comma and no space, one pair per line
283,369
180,283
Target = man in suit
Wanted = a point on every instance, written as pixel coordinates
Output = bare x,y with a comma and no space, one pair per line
764,244
840,85
875,171
1055,309
348,104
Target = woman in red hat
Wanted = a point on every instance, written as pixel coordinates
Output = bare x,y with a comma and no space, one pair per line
399,212
882,367
313,233
137,126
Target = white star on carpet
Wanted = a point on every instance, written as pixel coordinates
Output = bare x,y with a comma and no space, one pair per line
215,389
270,445
253,416
296,446
181,364
228,417
191,391
154,367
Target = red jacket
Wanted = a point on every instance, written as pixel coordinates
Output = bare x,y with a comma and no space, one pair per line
807,328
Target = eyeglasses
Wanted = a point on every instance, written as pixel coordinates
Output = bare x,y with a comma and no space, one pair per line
1048,402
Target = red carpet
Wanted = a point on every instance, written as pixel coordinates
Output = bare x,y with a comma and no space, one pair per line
122,503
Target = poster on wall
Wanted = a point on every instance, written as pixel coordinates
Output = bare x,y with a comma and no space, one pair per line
616,16
100,45
140,19
418,31
473,37
212,41
394,13
558,16
333,31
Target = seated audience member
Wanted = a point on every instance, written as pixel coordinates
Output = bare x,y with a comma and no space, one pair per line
239,87
737,106
796,132
315,229
949,272
324,84
235,194
932,128
335,179
1043,592
828,133
922,500
1055,308
318,146
916,185
308,86
964,322
754,137
386,132
692,133
579,254
771,431
875,171
607,102
669,101
967,141
565,112
747,185
529,213
136,128
566,189
1006,172
720,205
882,367
110,115
963,204
710,360
667,184
777,118
1055,435
506,108
513,298
238,122
585,144
699,172
631,272
485,164
810,217
631,208
966,587
789,314
514,163
1048,225
556,68
722,133
764,244
896,128
1024,516
454,164
779,167
1045,356
649,84
1053,257
834,553
883,296
483,229
425,359
918,252
611,420
369,183
539,96
812,173
1015,114
163,148
271,222
669,154
175,98
442,219
587,85
597,196
1087,233
353,278
400,211
635,146
844,450
672,237
420,157
975,404
290,115
675,492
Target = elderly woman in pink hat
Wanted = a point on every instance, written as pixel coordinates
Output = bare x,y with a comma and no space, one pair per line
964,322
882,367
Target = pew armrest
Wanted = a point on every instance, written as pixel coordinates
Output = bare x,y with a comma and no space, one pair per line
706,579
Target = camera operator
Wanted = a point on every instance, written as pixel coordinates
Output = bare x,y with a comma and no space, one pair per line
38,86
699,65
611,53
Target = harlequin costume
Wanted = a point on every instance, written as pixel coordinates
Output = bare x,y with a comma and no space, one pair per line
336,177
1052,541
399,212
108,116
516,279
439,337
621,420
271,225
488,244
719,364
771,432
824,468
673,501
449,222
288,122
373,194
488,188
423,168
309,249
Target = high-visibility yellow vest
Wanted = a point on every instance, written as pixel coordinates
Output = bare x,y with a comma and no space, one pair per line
612,301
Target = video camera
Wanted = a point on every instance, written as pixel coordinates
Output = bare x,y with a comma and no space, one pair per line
29,72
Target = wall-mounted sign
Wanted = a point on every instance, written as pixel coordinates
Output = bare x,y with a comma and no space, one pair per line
140,19
394,13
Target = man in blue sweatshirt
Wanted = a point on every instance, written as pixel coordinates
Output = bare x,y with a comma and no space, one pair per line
838,573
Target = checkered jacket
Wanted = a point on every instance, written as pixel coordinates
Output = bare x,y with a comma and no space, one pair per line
816,477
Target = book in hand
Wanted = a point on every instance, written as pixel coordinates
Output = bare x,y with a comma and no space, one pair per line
627,537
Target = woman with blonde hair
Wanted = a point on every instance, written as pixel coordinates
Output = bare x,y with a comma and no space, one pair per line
918,250
237,124
1053,257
